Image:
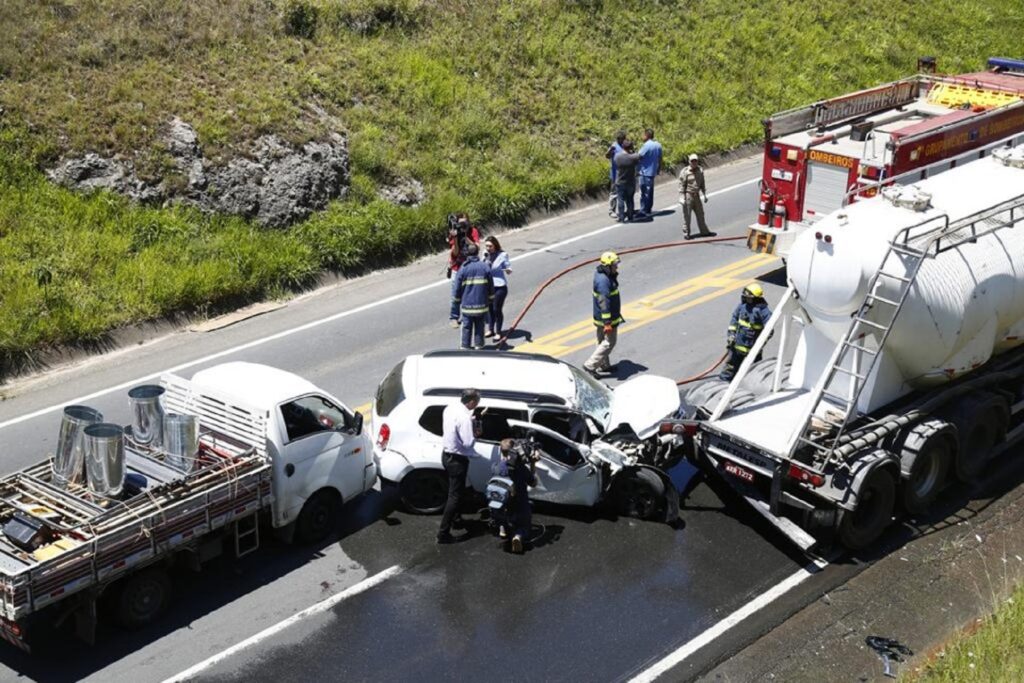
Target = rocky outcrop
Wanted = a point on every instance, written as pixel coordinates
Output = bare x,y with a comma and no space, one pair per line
93,172
274,182
407,192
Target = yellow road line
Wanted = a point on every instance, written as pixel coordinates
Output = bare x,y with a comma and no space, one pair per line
724,280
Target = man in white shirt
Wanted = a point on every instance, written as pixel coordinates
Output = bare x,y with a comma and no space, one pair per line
458,438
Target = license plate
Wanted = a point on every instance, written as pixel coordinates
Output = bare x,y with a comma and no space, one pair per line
737,471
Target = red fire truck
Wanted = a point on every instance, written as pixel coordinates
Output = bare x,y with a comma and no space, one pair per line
823,156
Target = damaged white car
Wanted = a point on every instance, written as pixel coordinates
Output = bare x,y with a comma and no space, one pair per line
596,444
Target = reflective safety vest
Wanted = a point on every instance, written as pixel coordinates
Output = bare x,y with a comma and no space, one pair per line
747,322
474,288
607,306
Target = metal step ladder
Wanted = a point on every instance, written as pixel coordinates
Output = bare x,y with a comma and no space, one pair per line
247,535
846,359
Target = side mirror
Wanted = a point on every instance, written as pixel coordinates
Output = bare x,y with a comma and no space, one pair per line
357,423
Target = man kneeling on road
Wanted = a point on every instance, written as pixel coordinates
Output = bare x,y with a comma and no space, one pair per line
458,431
519,466
607,313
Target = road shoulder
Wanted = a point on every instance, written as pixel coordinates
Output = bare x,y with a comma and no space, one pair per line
955,571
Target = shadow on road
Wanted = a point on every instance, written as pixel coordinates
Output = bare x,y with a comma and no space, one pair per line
58,655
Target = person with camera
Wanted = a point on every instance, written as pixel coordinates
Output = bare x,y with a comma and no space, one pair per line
518,462
474,293
458,437
461,233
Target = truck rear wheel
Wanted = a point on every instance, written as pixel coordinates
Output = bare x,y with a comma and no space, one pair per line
639,493
981,421
424,492
861,527
925,458
142,597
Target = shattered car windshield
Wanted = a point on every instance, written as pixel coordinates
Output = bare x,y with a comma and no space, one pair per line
592,397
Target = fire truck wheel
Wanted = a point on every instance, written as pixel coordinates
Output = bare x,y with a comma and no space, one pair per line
142,597
877,495
424,492
925,458
981,421
639,493
319,516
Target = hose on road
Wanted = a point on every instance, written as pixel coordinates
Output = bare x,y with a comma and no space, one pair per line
633,250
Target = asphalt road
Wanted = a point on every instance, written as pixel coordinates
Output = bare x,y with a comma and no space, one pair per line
598,598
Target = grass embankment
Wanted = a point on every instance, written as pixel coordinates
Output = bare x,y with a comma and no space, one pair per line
994,653
496,107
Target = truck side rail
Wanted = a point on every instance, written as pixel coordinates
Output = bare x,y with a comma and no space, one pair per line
97,539
909,176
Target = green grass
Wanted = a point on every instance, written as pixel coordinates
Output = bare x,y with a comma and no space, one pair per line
994,653
496,107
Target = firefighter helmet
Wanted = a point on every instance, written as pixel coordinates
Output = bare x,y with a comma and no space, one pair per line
753,291
608,258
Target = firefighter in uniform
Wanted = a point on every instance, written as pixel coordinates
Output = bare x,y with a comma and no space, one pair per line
691,186
748,320
607,312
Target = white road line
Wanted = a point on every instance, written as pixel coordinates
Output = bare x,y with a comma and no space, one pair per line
319,607
323,321
676,657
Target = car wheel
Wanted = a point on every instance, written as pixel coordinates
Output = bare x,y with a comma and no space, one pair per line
142,597
318,517
639,493
859,528
424,492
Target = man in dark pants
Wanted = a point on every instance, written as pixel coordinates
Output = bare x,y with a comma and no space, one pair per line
458,439
625,180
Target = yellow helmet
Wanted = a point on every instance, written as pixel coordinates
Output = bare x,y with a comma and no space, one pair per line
754,290
608,258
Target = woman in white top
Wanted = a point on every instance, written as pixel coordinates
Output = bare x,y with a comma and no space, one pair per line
500,268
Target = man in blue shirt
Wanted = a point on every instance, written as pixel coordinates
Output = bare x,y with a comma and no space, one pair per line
613,198
650,166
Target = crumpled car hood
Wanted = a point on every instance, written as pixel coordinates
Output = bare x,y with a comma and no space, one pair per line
642,403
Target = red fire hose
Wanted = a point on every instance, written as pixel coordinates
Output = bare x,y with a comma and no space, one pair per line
634,250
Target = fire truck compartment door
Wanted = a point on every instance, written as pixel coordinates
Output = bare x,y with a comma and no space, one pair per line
826,188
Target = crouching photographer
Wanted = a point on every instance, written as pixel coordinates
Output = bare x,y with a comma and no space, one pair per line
508,490
461,233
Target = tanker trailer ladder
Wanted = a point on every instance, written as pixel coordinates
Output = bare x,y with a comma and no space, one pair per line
903,255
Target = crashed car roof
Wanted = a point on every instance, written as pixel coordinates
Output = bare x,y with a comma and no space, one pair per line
516,376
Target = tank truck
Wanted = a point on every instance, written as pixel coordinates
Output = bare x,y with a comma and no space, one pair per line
899,364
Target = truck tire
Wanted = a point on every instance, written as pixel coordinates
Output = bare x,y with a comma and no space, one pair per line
759,380
926,455
705,396
318,517
142,597
424,492
981,421
876,498
638,493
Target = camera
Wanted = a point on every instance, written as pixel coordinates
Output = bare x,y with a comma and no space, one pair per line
522,452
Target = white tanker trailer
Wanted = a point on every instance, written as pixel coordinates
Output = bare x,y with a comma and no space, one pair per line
900,331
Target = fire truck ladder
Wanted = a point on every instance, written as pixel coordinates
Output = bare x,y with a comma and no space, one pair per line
901,265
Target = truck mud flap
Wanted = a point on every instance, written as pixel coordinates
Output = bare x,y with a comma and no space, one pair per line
789,529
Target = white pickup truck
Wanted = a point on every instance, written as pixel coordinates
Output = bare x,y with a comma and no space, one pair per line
269,440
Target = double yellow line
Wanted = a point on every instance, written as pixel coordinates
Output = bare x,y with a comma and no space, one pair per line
657,306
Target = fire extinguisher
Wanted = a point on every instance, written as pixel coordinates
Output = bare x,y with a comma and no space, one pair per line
780,214
764,207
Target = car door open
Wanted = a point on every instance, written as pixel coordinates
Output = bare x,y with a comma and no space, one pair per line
565,475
